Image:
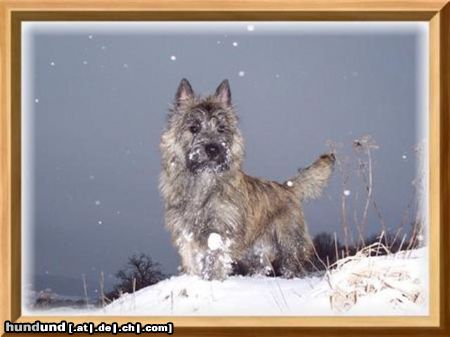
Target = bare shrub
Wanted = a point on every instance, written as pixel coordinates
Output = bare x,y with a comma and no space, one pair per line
139,272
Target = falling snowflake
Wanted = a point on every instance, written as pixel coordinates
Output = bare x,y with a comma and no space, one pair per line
173,58
85,62
251,28
404,156
103,47
97,202
52,63
277,75
125,65
289,183
100,222
90,37
241,73
118,212
235,44
347,193
36,100
219,42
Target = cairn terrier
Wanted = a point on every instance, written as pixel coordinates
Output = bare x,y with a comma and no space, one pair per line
223,221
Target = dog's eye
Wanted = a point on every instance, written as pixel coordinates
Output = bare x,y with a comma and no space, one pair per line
221,128
195,128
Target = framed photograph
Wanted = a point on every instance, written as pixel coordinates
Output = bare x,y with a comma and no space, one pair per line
220,168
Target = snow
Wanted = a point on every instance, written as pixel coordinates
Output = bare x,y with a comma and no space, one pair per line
361,285
36,100
289,183
100,222
173,58
194,154
125,65
251,28
393,283
347,193
85,62
52,63
241,73
189,236
235,44
404,156
215,241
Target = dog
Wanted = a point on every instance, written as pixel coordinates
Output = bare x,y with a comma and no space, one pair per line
223,221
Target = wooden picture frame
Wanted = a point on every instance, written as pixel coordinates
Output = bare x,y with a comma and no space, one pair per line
436,12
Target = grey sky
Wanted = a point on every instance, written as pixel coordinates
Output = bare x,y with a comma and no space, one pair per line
97,102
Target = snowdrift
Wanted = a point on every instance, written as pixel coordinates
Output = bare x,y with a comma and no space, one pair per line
394,284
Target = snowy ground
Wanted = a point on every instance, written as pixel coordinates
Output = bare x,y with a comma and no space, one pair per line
361,285
384,285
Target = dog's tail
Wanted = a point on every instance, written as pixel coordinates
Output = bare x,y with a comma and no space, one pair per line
309,182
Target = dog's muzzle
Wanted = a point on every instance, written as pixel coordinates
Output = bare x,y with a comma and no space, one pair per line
211,156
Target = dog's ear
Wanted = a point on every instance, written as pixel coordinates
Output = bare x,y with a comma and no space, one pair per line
223,92
184,92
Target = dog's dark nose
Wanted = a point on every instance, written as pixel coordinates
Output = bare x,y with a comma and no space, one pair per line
212,150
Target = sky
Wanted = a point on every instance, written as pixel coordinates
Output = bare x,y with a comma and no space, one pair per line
95,100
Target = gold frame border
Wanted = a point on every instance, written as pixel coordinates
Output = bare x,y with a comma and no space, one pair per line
436,12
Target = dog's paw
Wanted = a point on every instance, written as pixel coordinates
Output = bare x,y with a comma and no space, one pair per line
287,273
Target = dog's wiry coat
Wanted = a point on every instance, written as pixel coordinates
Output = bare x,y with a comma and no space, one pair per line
257,225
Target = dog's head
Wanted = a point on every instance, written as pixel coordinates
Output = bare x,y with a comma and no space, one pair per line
202,133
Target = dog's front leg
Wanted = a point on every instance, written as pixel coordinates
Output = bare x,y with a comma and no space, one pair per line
217,263
191,257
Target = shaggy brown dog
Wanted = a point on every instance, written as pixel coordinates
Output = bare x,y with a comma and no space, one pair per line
223,221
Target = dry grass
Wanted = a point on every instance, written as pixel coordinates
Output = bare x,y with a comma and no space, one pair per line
354,277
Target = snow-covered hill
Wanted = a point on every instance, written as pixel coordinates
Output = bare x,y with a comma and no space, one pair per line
383,285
